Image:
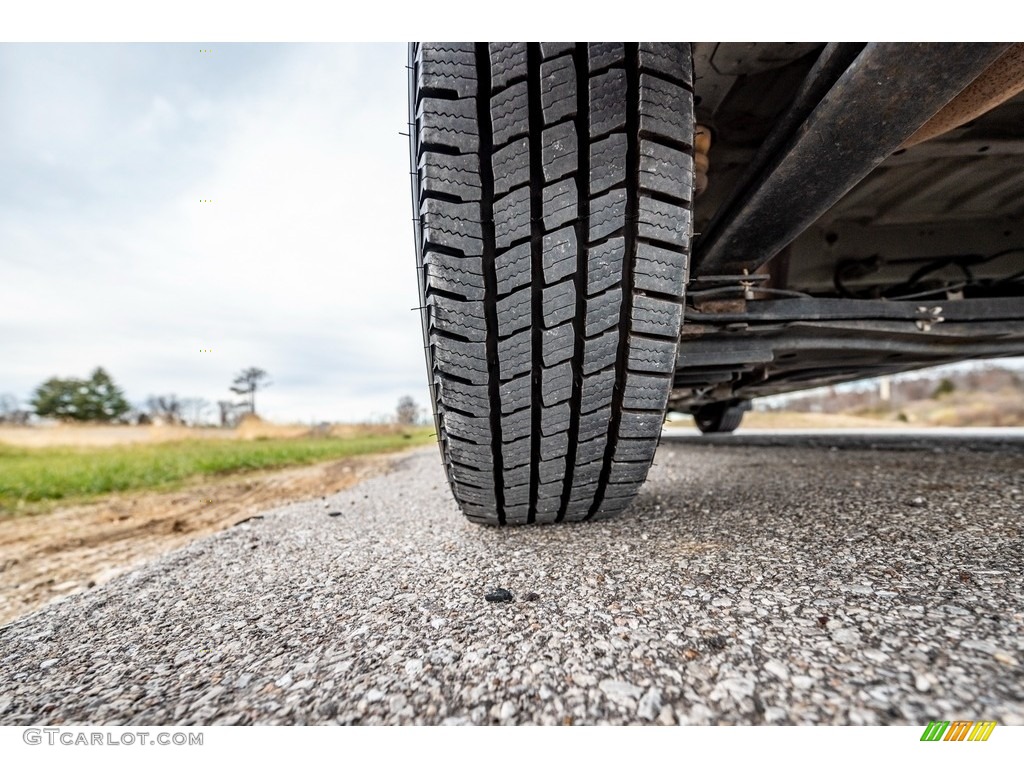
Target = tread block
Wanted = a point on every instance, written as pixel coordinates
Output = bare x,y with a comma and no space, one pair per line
515,453
602,311
640,424
607,102
594,428
627,472
465,318
481,478
651,355
557,89
517,495
607,163
666,170
559,303
515,394
672,59
453,225
509,115
516,425
635,450
664,222
515,311
559,253
447,66
551,50
508,61
589,474
555,419
602,55
515,355
666,109
511,166
512,217
448,123
597,391
457,175
549,499
552,470
554,446
646,392
517,515
466,452
659,269
512,268
559,151
560,204
465,397
517,477
657,316
465,359
604,265
472,494
556,384
599,352
608,214
557,344
455,275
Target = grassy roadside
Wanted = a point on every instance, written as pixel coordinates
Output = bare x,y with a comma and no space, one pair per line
32,479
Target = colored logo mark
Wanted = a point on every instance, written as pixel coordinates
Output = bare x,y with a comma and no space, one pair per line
958,730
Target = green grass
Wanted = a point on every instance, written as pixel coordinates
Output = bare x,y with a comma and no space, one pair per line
32,479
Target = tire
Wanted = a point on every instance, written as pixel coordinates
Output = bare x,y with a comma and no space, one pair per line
719,417
552,186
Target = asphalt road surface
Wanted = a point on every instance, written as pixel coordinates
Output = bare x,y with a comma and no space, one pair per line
760,578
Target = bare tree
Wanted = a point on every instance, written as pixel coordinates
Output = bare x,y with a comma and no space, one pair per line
227,412
407,412
165,407
247,382
11,411
193,410
8,405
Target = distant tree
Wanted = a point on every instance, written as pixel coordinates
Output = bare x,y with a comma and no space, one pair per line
94,399
164,407
8,407
945,387
227,411
247,382
193,410
407,412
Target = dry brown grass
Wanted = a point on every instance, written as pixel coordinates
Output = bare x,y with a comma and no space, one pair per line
101,435
1002,408
794,420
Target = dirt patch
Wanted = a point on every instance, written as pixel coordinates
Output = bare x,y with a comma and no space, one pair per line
43,557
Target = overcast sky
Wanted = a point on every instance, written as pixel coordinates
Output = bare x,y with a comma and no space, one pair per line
302,264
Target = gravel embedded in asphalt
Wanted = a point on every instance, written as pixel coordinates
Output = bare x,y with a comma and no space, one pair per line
812,580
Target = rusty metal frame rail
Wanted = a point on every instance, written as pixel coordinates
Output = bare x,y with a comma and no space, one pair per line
887,93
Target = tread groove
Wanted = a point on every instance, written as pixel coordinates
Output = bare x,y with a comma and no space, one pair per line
629,255
483,104
580,57
535,119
